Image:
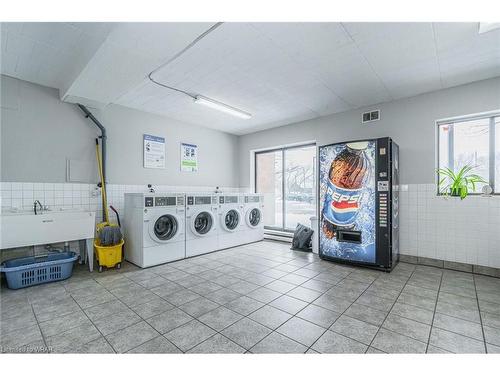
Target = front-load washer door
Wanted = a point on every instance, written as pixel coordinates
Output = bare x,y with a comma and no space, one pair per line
230,219
164,228
202,223
254,217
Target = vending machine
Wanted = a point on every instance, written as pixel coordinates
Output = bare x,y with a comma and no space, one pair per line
358,202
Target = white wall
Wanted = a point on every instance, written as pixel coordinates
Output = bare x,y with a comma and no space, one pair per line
39,132
410,122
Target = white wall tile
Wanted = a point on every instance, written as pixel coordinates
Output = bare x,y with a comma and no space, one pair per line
448,228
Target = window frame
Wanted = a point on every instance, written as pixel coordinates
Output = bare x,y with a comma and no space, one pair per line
282,149
491,115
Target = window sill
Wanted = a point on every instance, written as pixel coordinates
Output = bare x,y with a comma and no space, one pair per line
495,195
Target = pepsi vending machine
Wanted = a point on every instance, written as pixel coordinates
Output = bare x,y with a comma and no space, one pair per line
358,202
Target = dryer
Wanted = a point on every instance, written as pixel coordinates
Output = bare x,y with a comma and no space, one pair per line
231,221
253,208
202,224
154,226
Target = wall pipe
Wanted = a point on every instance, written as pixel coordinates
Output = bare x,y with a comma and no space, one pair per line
89,115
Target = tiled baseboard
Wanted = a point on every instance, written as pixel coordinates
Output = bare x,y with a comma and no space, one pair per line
455,266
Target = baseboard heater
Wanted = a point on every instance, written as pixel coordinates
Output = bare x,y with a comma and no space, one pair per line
277,235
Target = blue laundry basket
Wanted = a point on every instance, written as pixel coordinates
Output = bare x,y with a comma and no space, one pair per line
28,271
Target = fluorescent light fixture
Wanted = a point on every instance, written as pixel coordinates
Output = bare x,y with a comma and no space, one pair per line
222,107
484,27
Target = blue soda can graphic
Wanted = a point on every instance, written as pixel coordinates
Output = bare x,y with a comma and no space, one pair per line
346,178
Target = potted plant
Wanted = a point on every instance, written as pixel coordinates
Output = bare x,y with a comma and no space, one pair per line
458,184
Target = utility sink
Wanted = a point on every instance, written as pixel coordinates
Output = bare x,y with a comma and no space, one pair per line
24,228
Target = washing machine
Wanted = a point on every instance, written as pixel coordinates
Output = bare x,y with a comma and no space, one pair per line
201,221
154,226
231,221
253,209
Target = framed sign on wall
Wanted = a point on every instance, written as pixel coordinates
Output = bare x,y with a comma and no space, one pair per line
154,151
189,157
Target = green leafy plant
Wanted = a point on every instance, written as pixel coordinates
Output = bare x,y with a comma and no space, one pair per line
460,183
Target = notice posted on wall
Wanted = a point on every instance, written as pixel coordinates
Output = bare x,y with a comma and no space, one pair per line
154,151
189,157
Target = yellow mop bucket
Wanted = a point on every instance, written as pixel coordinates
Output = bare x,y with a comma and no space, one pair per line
108,244
108,256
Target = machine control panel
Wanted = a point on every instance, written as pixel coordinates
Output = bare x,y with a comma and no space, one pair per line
203,200
190,201
231,199
251,199
221,200
165,201
148,202
383,209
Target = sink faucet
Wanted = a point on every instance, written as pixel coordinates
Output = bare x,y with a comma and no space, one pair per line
37,202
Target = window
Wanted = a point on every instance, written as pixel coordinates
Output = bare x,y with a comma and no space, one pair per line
473,141
285,177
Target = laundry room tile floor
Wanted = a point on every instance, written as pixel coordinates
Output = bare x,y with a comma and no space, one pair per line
257,298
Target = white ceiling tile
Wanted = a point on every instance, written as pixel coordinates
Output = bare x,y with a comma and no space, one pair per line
416,87
3,35
61,36
20,46
464,38
41,31
95,29
388,49
471,73
13,27
27,69
8,64
44,55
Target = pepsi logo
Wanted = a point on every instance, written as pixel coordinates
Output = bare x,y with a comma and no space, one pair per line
345,202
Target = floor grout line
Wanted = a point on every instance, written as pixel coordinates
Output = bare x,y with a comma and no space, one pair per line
434,313
39,328
480,316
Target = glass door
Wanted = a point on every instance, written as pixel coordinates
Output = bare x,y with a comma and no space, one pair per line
300,197
269,183
285,177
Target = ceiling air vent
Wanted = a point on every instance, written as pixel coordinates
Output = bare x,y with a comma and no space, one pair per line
371,116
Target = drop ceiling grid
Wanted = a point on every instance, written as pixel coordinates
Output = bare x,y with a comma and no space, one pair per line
280,72
46,53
